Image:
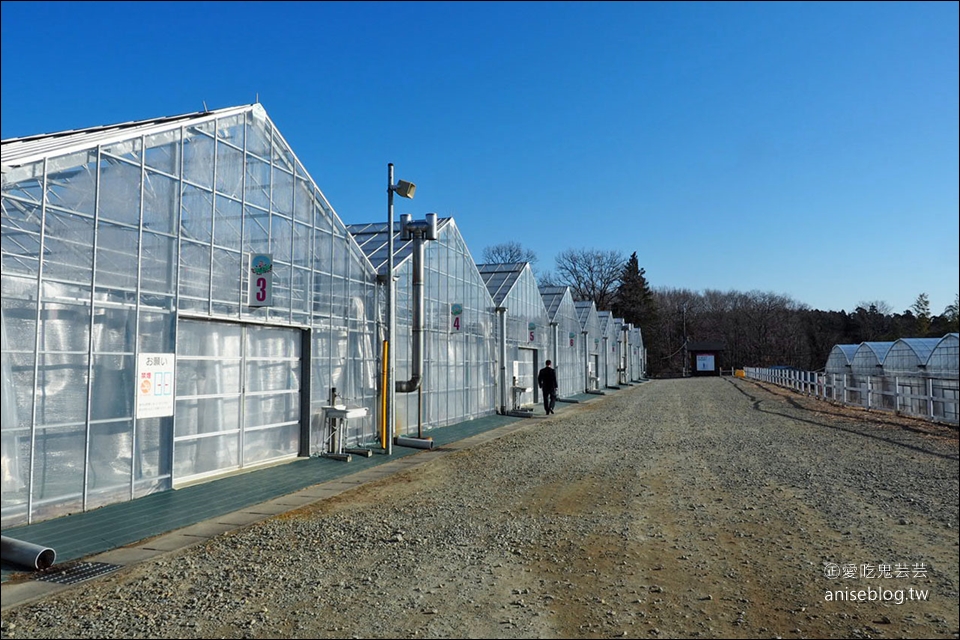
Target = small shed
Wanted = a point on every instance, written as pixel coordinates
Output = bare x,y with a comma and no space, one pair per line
704,357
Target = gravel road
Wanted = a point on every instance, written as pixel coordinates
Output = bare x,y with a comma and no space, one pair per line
705,507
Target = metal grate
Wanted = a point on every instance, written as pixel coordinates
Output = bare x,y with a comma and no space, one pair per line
75,573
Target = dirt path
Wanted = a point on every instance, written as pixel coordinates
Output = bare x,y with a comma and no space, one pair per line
678,508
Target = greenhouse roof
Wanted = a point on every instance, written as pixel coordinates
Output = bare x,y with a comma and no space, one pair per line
606,318
373,239
500,278
848,350
552,299
921,347
583,310
21,151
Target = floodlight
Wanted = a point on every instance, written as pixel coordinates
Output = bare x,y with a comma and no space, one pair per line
405,189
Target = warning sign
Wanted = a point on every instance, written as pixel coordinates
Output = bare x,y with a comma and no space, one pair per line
155,385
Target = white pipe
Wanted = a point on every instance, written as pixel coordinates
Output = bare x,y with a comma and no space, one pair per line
26,554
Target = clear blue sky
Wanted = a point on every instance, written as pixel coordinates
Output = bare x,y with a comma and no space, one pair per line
805,149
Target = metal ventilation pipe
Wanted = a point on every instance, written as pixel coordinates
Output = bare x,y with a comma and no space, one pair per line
502,330
586,363
556,344
26,554
419,232
606,367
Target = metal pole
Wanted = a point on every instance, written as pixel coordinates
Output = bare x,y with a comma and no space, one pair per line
391,316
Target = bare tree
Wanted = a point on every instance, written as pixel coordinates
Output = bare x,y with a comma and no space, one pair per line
508,252
591,274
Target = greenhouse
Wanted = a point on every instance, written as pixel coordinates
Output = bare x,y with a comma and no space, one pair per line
944,360
590,330
458,370
840,358
638,355
179,302
867,360
565,342
609,349
523,332
908,356
635,353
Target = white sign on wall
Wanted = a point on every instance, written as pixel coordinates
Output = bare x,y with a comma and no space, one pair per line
260,287
705,362
155,385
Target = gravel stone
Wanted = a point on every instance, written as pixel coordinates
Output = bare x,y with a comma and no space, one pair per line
703,507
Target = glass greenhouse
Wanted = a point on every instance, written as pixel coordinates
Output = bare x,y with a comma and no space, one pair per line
609,349
638,355
179,301
590,332
459,369
565,341
523,332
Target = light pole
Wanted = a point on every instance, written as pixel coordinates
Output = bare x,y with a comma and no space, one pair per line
405,190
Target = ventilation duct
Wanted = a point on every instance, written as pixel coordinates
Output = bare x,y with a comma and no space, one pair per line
419,232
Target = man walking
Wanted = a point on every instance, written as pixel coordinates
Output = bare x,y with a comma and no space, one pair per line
547,380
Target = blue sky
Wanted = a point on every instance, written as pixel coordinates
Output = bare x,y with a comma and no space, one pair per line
805,149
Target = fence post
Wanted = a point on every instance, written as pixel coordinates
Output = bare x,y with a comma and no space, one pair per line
930,397
896,392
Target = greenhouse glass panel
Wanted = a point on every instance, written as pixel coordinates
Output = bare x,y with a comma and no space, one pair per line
71,182
198,150
160,204
119,191
162,152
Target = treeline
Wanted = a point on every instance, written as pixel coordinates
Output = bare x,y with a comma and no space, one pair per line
757,329
762,329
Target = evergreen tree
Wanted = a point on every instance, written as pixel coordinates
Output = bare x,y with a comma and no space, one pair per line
634,300
922,308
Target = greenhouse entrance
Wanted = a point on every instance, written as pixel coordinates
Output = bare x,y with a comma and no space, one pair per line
238,397
527,369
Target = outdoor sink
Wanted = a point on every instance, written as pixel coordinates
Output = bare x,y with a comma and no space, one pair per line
341,412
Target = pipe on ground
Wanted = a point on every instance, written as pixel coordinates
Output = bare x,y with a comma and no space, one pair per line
415,443
26,554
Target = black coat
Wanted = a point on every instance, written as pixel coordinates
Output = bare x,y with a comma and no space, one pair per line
547,379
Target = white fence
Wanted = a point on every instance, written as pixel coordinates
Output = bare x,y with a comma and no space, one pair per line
932,398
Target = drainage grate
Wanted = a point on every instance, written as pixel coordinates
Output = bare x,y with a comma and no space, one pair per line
75,573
